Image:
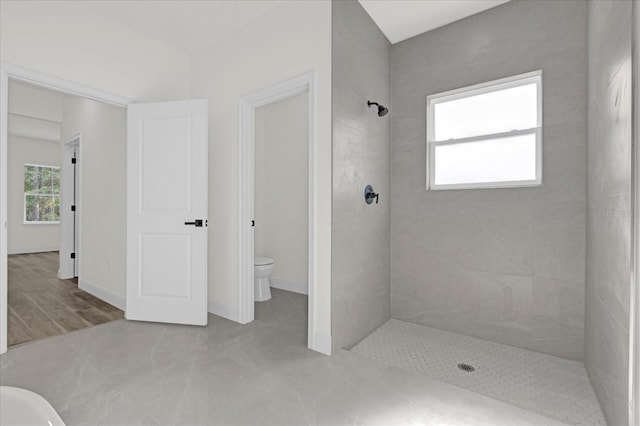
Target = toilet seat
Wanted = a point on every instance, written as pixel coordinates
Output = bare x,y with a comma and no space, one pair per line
263,261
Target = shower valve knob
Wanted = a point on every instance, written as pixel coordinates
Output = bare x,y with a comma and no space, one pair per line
370,194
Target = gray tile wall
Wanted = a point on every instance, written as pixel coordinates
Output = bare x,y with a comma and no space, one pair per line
609,206
360,289
505,265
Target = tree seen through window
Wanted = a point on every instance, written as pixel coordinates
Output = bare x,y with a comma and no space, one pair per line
41,193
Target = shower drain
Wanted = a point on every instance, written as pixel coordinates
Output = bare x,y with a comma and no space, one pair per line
466,367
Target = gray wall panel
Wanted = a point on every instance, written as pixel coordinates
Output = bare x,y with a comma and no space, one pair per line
609,206
500,264
360,288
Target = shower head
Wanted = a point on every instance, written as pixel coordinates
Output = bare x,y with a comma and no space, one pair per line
382,110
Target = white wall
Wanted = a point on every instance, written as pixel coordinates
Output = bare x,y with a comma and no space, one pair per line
282,187
33,128
292,39
102,207
67,40
31,101
28,238
34,134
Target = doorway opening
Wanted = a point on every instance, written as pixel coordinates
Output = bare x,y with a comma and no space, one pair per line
41,292
281,202
280,96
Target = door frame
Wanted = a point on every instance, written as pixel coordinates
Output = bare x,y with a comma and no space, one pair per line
247,107
15,72
69,195
634,320
634,323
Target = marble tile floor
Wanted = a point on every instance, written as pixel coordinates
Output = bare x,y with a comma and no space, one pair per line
552,386
127,372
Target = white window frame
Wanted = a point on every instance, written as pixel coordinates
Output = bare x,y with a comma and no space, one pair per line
478,89
25,194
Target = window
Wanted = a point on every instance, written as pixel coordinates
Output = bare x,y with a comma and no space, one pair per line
486,136
41,194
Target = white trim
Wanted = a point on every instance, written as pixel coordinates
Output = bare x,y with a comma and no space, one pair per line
37,78
501,135
486,87
224,311
634,317
487,185
634,295
477,89
44,166
26,194
246,245
247,106
288,285
32,250
102,294
14,72
69,241
24,222
4,114
321,343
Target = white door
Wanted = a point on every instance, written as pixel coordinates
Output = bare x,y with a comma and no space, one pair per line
167,212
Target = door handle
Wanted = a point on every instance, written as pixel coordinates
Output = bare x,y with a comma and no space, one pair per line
197,223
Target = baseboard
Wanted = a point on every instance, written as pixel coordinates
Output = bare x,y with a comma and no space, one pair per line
67,275
215,308
102,294
294,286
320,342
224,311
31,250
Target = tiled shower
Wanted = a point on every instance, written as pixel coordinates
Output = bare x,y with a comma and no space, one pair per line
545,268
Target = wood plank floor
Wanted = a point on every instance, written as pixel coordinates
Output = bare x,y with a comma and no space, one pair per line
41,305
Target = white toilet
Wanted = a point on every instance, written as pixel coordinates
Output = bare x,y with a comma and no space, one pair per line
263,267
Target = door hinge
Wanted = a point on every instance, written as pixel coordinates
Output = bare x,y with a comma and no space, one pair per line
253,223
73,255
73,161
73,208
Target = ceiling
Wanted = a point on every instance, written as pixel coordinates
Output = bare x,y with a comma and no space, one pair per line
403,19
188,25
193,25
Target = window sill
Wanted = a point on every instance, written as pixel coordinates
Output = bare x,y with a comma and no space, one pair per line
488,185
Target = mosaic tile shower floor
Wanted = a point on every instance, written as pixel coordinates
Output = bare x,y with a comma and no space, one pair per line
548,385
